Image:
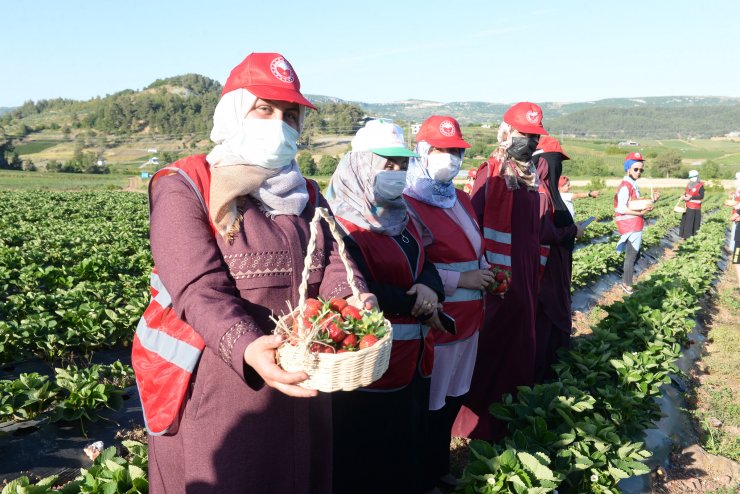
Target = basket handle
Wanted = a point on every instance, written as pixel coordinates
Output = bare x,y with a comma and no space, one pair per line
303,288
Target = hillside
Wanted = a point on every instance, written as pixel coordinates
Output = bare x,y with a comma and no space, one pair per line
183,106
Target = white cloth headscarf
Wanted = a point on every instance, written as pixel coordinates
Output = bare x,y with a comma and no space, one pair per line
281,191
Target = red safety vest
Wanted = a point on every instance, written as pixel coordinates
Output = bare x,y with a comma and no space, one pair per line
628,223
693,192
451,250
166,349
497,217
381,254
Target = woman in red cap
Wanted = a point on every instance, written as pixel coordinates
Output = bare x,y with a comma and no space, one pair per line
558,232
228,236
452,241
507,206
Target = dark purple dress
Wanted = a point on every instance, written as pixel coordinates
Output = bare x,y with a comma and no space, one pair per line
506,346
237,435
553,324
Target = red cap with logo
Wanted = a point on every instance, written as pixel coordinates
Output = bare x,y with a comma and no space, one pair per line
267,76
636,156
549,144
441,132
525,117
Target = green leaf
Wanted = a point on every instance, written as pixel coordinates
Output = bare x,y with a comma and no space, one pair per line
533,464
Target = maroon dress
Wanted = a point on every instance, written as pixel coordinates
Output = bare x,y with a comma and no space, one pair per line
506,346
236,434
553,323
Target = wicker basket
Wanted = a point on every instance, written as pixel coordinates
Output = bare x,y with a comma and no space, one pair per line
639,204
330,372
678,208
730,202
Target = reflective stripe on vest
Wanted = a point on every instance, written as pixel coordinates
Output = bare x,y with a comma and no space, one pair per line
406,332
162,297
497,236
171,349
501,259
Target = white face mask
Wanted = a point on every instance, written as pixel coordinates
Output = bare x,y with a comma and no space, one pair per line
443,167
389,185
265,142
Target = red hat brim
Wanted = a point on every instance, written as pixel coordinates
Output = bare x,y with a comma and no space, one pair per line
280,94
530,129
447,142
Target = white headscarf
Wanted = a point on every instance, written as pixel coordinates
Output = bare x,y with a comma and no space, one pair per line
281,191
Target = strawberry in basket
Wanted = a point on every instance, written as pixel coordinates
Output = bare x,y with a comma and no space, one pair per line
339,327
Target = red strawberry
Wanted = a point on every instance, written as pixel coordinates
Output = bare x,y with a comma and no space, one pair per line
312,307
335,332
501,288
337,304
343,350
501,276
349,341
351,312
368,340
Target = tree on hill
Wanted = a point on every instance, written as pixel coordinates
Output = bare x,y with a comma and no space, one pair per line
710,169
666,164
306,163
327,165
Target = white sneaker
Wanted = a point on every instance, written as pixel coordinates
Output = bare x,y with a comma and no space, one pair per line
627,289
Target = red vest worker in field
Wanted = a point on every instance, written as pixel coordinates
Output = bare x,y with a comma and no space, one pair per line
379,431
630,220
453,242
694,195
558,231
228,235
507,205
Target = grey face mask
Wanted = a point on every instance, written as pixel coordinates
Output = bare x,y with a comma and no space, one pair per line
522,148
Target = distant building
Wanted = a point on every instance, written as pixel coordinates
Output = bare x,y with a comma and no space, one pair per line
151,150
485,126
628,143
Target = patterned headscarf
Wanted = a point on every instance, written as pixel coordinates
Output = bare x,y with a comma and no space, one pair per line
515,173
281,191
420,185
351,195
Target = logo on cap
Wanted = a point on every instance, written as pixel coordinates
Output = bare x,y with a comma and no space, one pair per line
282,70
638,155
447,128
533,117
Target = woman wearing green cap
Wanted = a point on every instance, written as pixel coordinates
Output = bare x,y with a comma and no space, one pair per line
383,425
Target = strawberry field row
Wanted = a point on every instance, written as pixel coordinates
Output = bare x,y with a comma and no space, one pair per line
582,433
73,271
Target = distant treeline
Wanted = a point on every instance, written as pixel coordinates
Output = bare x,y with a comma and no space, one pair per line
174,106
649,122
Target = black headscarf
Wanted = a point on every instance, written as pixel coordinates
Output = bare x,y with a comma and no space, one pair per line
551,176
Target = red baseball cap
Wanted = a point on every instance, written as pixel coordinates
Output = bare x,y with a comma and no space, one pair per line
636,156
549,144
441,131
525,117
267,76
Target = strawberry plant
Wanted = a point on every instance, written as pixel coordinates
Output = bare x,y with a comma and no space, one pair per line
589,423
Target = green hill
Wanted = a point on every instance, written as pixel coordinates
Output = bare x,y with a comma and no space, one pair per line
183,106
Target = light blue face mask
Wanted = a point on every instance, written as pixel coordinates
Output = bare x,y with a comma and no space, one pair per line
389,185
266,142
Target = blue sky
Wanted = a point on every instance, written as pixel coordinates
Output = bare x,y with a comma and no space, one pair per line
379,51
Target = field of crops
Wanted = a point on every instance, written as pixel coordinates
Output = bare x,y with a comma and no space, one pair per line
74,271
